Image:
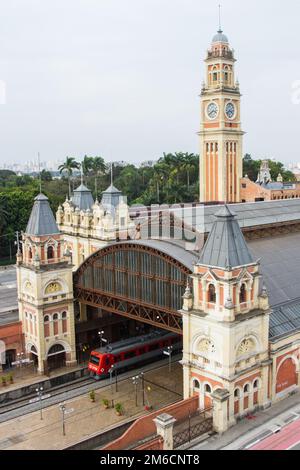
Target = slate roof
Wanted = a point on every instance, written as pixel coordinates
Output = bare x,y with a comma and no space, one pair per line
111,198
226,245
250,214
82,198
284,320
41,221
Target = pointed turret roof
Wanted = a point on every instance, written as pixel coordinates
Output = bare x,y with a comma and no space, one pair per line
226,246
111,198
82,198
41,221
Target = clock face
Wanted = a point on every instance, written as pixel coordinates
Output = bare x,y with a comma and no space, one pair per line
230,110
212,110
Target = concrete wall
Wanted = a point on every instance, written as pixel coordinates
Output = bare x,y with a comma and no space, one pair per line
101,438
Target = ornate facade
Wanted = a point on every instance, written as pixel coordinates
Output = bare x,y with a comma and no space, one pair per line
45,291
88,226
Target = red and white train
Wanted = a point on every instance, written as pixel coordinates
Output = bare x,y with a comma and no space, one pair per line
132,352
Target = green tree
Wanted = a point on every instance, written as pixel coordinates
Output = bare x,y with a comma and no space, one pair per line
68,167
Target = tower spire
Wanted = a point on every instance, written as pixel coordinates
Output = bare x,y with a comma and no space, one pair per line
40,178
111,173
220,27
81,173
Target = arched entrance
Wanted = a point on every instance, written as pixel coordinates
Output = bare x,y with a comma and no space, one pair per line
142,281
10,357
34,355
56,357
286,375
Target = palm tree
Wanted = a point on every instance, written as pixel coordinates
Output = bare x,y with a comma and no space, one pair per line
98,168
68,167
87,165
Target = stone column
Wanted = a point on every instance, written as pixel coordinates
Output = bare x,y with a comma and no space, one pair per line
83,316
263,398
164,426
220,399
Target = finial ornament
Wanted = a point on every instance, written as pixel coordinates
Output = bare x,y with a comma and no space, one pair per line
111,173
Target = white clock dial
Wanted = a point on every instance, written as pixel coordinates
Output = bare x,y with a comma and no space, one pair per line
230,110
212,110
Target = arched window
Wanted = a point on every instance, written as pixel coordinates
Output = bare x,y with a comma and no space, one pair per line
212,294
207,388
256,384
46,326
30,253
247,388
55,324
64,322
243,294
196,384
50,252
237,393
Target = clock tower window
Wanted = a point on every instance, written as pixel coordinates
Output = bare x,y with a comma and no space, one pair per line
212,294
50,252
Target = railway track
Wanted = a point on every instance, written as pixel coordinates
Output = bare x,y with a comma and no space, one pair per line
71,390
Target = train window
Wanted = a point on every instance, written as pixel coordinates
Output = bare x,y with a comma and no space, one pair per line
94,360
107,360
129,354
118,358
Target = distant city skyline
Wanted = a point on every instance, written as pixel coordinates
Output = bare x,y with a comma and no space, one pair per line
121,79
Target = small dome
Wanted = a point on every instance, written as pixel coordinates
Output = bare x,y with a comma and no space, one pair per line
220,37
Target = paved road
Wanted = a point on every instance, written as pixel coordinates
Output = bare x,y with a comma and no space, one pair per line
8,295
288,438
249,432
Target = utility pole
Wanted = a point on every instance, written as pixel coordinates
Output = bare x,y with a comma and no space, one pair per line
62,407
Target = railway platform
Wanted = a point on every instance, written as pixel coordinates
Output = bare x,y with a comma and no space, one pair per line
27,375
159,387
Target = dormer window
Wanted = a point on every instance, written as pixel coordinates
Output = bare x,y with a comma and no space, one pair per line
212,294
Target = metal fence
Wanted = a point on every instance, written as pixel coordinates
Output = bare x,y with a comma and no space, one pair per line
196,425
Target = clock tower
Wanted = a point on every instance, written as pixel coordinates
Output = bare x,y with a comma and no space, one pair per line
221,136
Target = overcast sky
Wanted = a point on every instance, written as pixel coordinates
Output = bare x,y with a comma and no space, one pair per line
121,78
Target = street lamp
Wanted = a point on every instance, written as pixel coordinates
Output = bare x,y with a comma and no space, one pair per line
62,408
168,352
20,356
39,392
111,370
135,380
102,340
